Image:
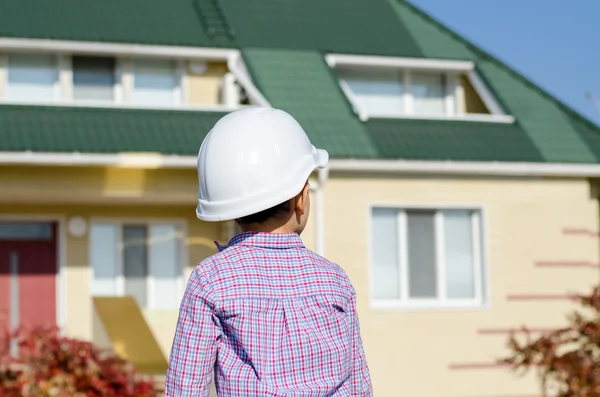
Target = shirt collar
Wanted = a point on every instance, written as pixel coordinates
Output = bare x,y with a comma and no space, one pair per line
264,240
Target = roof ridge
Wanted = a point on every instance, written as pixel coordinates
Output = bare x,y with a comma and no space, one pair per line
487,56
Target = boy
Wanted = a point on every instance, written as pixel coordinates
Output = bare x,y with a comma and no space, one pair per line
267,316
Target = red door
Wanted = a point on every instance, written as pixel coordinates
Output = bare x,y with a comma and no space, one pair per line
28,268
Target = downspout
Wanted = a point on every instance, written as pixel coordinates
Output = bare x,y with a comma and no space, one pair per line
322,177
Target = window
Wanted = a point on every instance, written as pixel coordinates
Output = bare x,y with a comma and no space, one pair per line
139,260
94,78
156,82
428,93
396,87
426,257
32,77
390,92
376,92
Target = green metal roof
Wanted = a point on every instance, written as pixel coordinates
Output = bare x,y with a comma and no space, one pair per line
283,43
94,130
160,22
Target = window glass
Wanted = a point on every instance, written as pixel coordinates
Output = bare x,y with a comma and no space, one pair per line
32,77
155,82
94,78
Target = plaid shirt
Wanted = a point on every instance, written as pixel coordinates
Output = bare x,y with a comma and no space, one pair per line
270,318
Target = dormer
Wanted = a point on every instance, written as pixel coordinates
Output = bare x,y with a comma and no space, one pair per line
390,87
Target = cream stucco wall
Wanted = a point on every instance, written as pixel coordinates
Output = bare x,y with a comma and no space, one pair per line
419,352
204,89
426,353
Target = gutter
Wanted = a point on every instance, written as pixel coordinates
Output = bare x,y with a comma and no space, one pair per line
358,167
322,177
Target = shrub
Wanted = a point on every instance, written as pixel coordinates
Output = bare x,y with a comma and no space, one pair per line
51,365
568,359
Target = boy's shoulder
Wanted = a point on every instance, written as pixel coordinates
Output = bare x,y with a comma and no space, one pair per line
234,259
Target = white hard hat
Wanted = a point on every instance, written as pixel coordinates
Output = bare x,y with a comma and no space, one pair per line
253,159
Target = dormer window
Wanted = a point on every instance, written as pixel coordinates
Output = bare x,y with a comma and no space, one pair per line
117,75
384,87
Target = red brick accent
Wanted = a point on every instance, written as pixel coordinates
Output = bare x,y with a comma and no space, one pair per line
477,365
539,297
580,232
580,264
507,331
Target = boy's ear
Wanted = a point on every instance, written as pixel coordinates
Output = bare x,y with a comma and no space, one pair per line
302,200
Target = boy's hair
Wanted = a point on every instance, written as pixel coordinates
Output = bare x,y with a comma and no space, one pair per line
263,216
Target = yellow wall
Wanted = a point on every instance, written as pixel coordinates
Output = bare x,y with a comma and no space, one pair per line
472,102
411,352
524,224
98,185
205,89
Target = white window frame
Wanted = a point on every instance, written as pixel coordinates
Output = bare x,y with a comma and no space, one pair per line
179,94
449,69
481,300
62,48
120,279
4,56
68,86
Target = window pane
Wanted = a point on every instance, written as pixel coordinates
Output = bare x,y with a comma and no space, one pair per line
428,93
380,93
31,77
422,273
165,266
458,252
135,262
104,258
93,78
25,231
385,254
155,82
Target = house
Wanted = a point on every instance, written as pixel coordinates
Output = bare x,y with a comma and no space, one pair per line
461,198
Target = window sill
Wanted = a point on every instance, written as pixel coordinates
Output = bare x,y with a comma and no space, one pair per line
484,118
106,105
428,305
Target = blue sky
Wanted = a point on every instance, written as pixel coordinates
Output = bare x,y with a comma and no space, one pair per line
555,43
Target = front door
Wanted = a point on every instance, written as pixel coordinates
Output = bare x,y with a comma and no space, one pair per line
28,269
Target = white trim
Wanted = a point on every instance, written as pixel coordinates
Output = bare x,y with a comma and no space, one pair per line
478,260
183,254
157,160
474,117
3,74
182,95
237,66
440,257
122,87
486,96
465,168
65,77
108,105
358,110
451,94
407,96
480,299
61,260
401,232
340,60
114,49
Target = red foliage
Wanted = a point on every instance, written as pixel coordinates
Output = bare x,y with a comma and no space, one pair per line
568,359
49,364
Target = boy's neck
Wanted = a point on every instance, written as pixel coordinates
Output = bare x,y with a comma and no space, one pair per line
269,227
